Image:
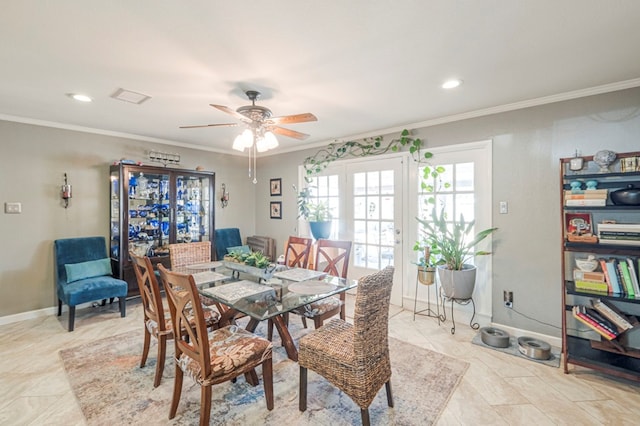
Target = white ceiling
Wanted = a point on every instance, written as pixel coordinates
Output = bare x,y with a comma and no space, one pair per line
362,67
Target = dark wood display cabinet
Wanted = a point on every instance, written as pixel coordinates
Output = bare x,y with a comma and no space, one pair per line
600,328
152,207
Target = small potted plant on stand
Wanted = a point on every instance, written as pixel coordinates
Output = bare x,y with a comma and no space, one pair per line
317,214
452,239
427,262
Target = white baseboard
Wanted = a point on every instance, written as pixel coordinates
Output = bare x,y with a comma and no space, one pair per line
463,316
518,332
38,313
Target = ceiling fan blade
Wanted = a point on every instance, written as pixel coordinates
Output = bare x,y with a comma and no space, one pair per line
288,132
235,113
209,125
291,119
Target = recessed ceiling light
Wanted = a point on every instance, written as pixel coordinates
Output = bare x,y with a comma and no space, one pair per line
450,84
79,97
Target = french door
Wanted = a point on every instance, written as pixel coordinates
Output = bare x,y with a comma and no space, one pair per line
366,199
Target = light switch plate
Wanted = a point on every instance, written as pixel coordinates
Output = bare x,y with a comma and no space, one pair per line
504,207
13,208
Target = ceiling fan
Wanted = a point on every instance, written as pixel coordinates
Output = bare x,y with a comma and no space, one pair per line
260,119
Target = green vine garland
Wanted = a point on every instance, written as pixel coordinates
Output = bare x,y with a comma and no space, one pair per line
369,146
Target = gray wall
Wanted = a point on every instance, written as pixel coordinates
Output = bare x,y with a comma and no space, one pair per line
527,145
34,160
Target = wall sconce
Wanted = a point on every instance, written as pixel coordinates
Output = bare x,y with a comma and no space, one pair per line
224,199
65,192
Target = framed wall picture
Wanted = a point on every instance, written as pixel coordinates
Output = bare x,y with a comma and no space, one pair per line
275,207
276,186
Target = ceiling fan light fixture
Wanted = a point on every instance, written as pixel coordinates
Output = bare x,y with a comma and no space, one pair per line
271,140
243,140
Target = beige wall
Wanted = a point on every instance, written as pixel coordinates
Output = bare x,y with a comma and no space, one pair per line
33,162
527,145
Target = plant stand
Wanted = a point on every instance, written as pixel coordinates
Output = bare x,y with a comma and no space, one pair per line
426,312
443,317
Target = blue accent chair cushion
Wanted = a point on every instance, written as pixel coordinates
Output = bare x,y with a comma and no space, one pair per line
88,269
86,256
226,237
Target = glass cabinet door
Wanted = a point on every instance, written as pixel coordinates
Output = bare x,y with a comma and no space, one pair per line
149,212
192,208
114,215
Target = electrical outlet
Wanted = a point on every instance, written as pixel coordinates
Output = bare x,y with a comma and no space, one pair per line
508,299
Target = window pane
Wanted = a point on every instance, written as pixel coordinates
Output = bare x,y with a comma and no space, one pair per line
359,208
373,207
387,234
359,255
359,184
373,183
360,231
464,177
373,257
386,178
373,233
386,208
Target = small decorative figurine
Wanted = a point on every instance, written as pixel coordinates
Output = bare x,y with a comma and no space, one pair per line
576,187
592,184
604,159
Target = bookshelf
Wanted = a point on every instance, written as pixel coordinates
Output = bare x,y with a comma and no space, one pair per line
585,340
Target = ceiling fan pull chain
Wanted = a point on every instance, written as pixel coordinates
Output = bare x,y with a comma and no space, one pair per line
255,168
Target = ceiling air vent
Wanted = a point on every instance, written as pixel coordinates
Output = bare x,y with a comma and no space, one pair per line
129,96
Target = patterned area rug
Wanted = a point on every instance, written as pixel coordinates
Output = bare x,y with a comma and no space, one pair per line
112,389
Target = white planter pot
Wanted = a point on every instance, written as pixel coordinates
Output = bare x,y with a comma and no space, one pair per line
457,284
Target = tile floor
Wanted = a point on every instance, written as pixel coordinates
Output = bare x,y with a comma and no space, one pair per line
497,389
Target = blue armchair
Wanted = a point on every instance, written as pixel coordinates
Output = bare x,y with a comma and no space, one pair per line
83,274
224,238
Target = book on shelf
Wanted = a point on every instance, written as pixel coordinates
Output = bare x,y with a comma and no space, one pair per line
619,227
605,323
616,236
581,275
612,313
603,266
635,280
626,277
619,242
590,202
589,193
592,323
613,277
591,286
619,234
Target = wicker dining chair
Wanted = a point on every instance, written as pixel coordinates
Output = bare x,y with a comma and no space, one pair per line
332,257
157,321
183,254
354,358
209,359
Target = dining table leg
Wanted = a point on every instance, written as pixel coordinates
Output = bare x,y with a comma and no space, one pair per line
285,336
283,331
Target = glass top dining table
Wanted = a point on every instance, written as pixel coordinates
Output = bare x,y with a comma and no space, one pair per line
271,299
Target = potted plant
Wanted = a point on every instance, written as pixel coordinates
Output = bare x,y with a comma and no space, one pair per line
427,261
452,240
316,213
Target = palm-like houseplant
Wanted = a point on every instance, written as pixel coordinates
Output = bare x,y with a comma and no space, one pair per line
456,246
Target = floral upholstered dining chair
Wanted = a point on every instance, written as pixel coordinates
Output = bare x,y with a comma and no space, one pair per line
157,321
209,359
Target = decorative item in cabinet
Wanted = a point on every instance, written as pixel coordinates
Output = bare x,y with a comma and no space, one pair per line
608,232
152,207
